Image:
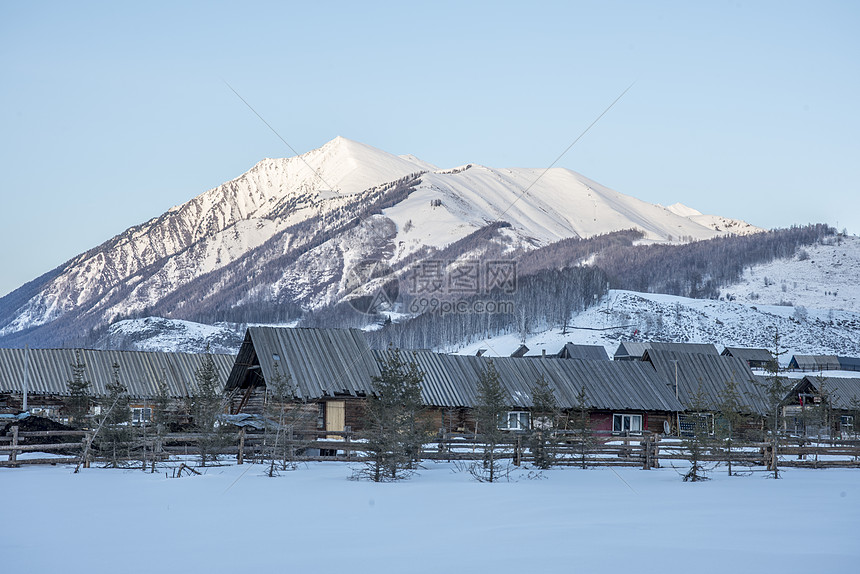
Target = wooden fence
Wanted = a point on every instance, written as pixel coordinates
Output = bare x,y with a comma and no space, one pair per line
645,450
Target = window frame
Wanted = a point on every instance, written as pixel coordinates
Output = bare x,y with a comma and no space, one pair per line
631,417
136,420
521,418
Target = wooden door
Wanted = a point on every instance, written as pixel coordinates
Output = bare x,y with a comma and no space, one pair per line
335,418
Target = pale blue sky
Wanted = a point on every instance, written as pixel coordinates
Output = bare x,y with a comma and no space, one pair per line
112,114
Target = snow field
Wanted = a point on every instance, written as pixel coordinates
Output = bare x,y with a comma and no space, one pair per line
315,519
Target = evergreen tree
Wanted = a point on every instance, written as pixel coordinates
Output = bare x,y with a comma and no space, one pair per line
544,419
775,388
79,400
115,421
489,411
393,431
582,426
205,406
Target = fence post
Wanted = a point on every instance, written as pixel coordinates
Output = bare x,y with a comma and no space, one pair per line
13,454
346,436
646,447
241,455
518,451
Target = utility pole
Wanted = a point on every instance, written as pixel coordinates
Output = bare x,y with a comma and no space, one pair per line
26,375
676,378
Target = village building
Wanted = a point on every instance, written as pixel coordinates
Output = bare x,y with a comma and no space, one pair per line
849,363
755,358
814,363
825,405
44,375
331,372
589,352
634,351
695,376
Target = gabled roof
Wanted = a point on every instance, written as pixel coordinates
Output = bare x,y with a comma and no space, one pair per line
452,381
319,362
330,362
49,371
760,356
631,349
590,352
841,390
710,373
815,362
849,363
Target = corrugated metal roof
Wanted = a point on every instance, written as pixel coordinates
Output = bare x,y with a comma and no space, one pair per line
710,373
50,370
319,362
322,362
749,355
849,363
589,352
842,390
631,349
452,380
815,362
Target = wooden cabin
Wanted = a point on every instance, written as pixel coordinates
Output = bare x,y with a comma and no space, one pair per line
45,374
755,358
814,363
588,352
823,405
635,351
331,371
708,374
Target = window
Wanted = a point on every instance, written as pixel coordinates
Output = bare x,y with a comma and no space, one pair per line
515,420
846,422
320,415
626,423
140,415
690,423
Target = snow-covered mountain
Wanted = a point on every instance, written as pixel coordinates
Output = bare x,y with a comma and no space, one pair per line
813,299
288,230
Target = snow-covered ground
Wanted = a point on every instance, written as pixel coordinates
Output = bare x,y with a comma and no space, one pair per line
823,276
234,519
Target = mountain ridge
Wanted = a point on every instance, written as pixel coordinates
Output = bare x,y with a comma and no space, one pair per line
342,193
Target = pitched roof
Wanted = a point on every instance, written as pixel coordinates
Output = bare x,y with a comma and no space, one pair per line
452,381
628,349
749,355
842,390
319,362
591,352
329,362
815,362
49,371
710,373
849,363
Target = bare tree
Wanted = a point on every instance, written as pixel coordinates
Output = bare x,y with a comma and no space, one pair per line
731,419
696,437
